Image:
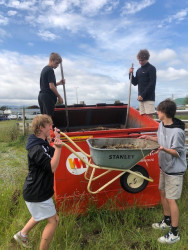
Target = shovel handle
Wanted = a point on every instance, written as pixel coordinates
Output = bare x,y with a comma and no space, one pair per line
65,97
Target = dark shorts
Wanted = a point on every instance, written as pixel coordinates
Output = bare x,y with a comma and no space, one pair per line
46,103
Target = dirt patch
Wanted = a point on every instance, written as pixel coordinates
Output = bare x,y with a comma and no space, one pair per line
125,146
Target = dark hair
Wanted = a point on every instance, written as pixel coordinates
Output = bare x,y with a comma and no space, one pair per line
168,107
143,54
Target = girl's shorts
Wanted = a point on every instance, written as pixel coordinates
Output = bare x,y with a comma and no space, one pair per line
41,210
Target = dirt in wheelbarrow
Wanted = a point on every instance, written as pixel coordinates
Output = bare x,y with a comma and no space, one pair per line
124,146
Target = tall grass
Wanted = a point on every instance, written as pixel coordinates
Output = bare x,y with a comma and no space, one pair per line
97,229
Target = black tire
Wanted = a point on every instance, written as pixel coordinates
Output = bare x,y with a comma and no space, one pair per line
132,183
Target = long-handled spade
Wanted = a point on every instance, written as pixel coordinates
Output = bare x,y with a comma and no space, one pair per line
65,98
128,106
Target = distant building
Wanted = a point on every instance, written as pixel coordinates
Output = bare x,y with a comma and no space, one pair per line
7,112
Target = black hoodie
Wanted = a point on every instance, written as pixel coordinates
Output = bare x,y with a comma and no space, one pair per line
38,184
176,124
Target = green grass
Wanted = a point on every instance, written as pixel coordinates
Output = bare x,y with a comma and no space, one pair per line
97,229
182,117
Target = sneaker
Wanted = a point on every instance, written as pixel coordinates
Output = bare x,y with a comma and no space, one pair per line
160,225
169,238
23,241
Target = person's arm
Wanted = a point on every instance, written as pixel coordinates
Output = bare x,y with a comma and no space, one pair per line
134,78
54,90
171,151
149,137
177,146
60,82
57,154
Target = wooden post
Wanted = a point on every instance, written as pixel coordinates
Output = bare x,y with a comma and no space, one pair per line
23,114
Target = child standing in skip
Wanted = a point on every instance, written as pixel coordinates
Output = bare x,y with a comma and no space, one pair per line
172,162
38,187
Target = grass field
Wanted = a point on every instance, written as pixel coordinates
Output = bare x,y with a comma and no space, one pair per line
97,229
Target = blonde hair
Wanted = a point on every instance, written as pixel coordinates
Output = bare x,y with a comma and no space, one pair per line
55,57
40,121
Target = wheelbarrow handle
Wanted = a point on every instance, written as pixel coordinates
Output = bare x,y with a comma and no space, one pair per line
73,143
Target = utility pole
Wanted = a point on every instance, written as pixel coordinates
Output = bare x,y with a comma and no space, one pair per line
77,94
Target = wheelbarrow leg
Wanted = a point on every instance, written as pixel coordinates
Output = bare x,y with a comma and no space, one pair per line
96,177
86,172
104,186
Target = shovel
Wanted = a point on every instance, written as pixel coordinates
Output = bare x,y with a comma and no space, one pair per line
129,99
65,98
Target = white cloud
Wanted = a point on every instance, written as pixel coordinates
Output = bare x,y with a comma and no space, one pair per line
165,57
166,54
133,7
48,3
47,35
21,5
12,13
3,20
71,22
93,7
178,17
3,34
172,74
62,7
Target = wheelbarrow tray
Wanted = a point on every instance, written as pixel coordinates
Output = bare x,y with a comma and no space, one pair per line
107,152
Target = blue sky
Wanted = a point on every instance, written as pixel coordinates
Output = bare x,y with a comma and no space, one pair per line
98,40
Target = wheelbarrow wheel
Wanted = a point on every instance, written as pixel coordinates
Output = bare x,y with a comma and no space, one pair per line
132,183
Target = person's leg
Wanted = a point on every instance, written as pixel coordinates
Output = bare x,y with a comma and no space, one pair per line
174,211
166,221
149,107
21,237
141,108
174,184
165,204
162,186
47,104
172,236
173,192
40,103
48,232
30,224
